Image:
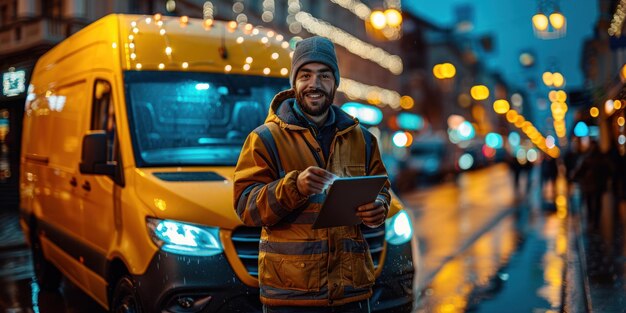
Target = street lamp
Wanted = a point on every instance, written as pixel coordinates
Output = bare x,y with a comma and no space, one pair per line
549,26
557,20
444,70
501,106
540,21
378,20
551,79
393,17
385,25
479,92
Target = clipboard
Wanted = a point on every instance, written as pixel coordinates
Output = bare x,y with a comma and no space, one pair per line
344,196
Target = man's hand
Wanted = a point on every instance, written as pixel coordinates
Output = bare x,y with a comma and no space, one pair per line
314,180
372,214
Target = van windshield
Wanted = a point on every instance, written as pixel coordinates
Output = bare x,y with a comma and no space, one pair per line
189,118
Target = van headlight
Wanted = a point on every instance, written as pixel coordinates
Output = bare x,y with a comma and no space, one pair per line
398,228
182,238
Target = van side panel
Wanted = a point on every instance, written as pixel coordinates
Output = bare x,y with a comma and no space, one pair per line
57,116
56,119
69,112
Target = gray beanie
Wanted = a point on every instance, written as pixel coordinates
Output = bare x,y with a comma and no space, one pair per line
314,49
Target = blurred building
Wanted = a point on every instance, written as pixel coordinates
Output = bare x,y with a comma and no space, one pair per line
604,68
29,28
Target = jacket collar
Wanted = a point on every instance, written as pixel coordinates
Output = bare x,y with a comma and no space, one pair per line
282,112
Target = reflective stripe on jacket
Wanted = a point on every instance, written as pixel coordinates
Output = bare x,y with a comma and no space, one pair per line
299,265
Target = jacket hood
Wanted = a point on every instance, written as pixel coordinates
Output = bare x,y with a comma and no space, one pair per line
281,112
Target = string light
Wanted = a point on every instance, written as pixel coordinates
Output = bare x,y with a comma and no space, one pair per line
268,11
207,10
393,63
241,18
353,89
184,20
293,8
533,134
355,6
357,90
618,19
232,25
248,29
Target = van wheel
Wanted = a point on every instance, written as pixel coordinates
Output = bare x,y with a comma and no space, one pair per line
125,297
48,276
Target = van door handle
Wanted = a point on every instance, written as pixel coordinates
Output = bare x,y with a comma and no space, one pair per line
86,186
73,182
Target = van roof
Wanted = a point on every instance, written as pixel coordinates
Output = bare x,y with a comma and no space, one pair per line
156,42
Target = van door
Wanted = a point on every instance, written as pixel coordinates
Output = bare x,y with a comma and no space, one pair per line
100,193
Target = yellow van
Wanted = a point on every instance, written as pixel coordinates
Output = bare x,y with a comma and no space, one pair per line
131,132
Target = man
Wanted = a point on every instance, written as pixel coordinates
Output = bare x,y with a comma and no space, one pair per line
284,167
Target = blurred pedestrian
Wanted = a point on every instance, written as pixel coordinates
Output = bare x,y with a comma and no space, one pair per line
618,176
570,158
592,174
516,168
527,170
549,173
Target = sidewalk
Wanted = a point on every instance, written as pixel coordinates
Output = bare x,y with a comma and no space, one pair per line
11,236
601,255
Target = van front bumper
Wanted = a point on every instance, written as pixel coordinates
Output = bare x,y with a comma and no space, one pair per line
178,283
393,289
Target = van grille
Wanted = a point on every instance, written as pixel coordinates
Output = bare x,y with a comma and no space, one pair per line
246,242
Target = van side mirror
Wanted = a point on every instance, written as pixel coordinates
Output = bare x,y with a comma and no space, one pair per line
93,158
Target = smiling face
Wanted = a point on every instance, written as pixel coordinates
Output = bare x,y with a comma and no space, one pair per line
315,88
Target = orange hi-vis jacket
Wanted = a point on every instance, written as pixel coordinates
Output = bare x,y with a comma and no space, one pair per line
298,265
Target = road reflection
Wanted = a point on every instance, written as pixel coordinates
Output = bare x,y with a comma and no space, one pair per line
494,253
21,293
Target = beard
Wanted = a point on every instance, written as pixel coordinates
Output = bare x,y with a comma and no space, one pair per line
315,109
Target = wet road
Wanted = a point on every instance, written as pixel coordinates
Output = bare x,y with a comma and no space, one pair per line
486,249
21,293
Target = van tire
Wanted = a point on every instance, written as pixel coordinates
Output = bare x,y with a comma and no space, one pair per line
48,276
125,296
